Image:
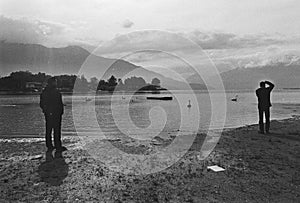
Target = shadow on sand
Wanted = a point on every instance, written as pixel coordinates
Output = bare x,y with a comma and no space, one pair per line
54,170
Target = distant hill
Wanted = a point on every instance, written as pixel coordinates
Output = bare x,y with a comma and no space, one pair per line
69,60
248,78
283,75
33,57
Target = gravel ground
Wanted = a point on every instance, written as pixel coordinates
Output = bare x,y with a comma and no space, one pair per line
259,168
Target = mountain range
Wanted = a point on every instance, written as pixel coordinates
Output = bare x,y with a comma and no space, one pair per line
70,60
283,75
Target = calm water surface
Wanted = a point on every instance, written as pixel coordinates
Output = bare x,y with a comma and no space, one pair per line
22,116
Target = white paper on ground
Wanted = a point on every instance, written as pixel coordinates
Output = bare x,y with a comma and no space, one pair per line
216,168
36,157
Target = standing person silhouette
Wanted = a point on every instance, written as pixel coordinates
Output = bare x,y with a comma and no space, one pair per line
53,109
264,103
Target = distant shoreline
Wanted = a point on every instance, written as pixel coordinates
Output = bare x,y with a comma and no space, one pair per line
145,92
291,88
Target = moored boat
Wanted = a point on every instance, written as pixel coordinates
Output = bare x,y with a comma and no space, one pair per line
159,98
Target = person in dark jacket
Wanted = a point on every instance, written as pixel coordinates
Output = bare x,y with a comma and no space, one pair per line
264,103
53,109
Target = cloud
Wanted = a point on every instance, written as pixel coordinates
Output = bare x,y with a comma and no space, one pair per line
223,40
51,34
159,40
127,24
263,59
239,50
260,57
144,40
28,31
223,48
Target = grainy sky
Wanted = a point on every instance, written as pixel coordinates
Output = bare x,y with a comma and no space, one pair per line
103,19
239,32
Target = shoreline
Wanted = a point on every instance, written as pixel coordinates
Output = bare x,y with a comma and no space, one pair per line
73,134
258,168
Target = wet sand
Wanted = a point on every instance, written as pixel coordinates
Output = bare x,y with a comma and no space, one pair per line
259,168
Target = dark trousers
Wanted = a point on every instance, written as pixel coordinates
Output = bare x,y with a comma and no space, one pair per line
262,112
53,122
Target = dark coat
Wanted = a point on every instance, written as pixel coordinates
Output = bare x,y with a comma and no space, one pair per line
51,101
263,96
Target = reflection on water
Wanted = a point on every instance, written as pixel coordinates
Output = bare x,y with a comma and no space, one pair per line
21,115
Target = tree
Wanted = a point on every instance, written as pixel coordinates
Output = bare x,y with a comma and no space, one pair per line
155,81
83,80
82,84
102,85
120,82
20,78
94,83
112,81
135,82
67,82
120,85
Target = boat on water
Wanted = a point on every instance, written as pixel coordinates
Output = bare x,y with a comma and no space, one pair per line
88,99
159,98
235,98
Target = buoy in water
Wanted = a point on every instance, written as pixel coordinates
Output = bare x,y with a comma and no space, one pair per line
189,105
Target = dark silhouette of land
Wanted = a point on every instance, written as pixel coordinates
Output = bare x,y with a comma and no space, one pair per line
27,82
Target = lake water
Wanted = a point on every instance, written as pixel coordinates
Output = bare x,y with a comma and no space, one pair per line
137,116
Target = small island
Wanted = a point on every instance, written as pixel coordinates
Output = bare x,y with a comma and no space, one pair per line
137,84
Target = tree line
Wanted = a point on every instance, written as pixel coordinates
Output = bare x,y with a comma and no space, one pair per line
18,81
133,83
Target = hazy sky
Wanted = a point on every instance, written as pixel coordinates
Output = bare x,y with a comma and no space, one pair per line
103,19
238,31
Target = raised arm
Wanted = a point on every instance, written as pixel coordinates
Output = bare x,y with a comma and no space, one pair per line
271,85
